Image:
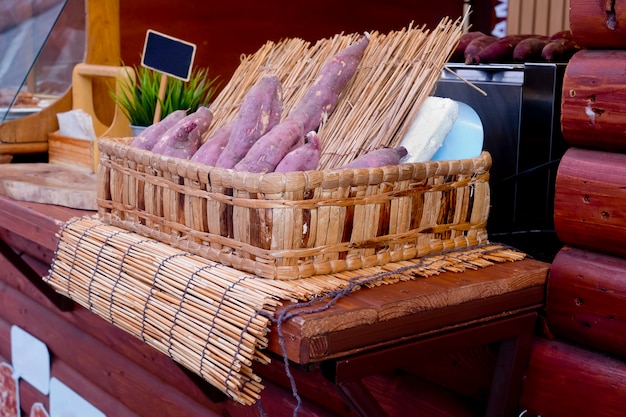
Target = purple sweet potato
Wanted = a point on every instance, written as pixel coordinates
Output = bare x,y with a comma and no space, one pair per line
304,157
272,147
175,137
151,134
563,34
203,118
559,50
529,49
260,111
500,51
378,158
459,51
473,49
183,139
211,149
321,97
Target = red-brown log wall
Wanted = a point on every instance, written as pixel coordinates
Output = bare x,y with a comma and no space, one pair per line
223,31
586,300
589,200
564,380
593,107
599,24
579,368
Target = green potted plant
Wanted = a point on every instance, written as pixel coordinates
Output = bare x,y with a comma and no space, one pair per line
139,96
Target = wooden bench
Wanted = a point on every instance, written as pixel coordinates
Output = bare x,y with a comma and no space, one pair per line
369,331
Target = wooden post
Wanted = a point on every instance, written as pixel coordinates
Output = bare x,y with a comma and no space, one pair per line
162,88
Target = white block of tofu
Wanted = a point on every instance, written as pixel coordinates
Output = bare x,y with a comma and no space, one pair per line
430,127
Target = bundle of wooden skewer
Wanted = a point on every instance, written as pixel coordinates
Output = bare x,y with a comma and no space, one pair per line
209,318
398,71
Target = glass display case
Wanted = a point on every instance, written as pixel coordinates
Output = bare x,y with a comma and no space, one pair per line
42,41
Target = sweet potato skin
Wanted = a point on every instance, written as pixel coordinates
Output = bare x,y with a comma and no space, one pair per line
260,111
203,118
272,147
459,51
184,138
559,50
529,49
500,51
475,46
177,134
211,149
305,157
151,134
321,97
378,158
563,34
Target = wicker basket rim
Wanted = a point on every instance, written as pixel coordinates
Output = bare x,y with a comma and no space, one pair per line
277,182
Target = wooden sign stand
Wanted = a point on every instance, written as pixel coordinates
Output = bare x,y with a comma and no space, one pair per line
169,56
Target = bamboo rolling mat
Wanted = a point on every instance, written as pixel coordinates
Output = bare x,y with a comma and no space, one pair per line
210,318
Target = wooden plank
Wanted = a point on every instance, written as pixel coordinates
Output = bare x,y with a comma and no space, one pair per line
124,379
559,16
564,380
100,399
39,223
108,336
586,300
23,148
391,389
55,184
309,381
278,401
373,316
513,17
527,18
468,372
432,293
541,17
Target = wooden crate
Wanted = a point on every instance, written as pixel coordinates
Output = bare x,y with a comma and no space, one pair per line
72,152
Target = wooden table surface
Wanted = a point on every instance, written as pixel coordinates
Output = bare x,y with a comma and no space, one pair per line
367,318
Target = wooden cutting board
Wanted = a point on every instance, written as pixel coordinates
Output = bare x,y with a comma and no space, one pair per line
49,184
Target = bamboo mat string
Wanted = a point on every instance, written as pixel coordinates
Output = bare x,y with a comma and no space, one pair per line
260,408
155,276
52,269
96,263
240,343
119,275
220,305
75,257
183,297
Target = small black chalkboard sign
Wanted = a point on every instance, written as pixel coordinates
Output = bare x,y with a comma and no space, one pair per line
171,57
168,55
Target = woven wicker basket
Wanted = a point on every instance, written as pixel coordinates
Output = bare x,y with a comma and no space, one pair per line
299,224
